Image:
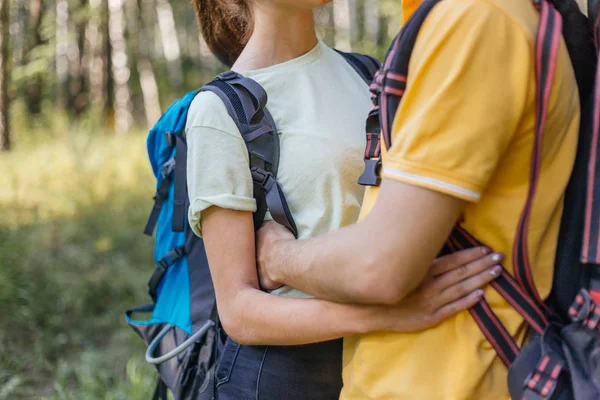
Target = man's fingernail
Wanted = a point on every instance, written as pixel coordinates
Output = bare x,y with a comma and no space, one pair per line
495,271
486,251
479,292
497,257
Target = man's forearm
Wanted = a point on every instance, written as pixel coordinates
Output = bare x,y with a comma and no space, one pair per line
377,261
337,266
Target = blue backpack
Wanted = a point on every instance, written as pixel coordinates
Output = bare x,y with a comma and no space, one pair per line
183,335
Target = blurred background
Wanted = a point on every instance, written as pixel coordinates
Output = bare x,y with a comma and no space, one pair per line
81,81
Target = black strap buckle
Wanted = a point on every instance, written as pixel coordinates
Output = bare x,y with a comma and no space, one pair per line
263,178
370,176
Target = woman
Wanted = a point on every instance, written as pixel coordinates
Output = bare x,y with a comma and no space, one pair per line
319,104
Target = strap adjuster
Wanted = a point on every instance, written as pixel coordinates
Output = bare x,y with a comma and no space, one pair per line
168,167
161,268
227,75
263,178
370,176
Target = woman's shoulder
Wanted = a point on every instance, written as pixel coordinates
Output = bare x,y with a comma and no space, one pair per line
208,111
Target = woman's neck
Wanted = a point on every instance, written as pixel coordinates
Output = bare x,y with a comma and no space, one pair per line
279,35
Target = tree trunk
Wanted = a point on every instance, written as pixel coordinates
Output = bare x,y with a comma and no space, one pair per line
342,22
62,46
138,31
149,91
4,56
170,42
372,21
108,85
207,60
78,85
120,69
34,86
95,40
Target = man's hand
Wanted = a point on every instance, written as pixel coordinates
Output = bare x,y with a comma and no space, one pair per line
267,237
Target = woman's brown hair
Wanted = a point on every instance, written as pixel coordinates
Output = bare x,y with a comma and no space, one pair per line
226,26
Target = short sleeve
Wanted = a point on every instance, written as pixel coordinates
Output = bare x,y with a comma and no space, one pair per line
467,88
217,162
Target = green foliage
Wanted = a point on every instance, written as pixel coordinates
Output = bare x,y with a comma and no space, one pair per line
73,258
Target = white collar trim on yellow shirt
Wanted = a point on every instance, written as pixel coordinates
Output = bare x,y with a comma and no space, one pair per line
434,182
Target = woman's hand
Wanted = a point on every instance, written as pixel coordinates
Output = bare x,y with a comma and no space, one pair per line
453,284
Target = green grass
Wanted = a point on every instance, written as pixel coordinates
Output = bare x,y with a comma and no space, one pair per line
72,258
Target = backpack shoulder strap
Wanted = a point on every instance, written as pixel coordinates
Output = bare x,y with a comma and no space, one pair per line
246,101
366,66
388,89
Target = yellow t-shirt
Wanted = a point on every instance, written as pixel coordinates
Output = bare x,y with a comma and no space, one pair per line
465,128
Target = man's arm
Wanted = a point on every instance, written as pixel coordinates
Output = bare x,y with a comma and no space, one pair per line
379,260
463,107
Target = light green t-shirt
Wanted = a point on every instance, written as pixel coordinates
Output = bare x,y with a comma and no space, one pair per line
319,104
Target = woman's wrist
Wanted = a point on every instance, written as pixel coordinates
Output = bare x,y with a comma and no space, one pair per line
371,318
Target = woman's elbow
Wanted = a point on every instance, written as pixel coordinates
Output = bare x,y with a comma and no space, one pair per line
236,326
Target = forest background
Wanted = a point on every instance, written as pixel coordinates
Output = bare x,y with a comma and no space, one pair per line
81,81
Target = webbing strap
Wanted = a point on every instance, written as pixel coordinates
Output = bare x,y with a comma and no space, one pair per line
161,269
388,89
505,284
159,199
180,197
364,65
590,252
395,75
522,294
370,176
388,85
276,201
245,100
161,195
546,53
542,383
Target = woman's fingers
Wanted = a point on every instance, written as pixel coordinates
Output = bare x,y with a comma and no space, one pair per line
447,263
465,271
456,306
467,286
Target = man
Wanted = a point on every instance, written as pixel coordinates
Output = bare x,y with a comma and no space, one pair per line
461,150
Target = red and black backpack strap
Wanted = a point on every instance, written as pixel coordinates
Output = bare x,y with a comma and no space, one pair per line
520,292
387,90
590,250
389,87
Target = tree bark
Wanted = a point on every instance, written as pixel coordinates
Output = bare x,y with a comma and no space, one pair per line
78,84
5,139
34,86
62,45
342,21
119,68
170,42
138,29
94,49
372,21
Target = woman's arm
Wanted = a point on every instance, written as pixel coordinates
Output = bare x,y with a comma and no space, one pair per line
253,317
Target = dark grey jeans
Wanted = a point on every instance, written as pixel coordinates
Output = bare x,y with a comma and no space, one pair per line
310,372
